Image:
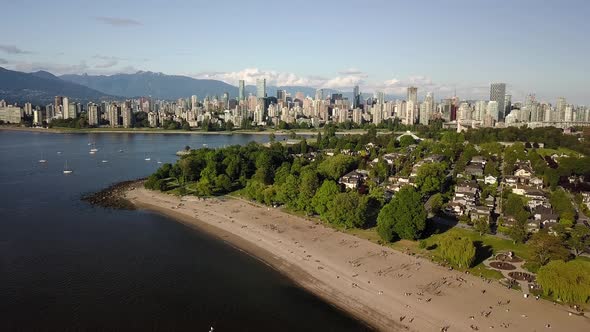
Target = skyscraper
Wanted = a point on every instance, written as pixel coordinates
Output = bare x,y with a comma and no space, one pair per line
282,96
507,104
241,90
560,108
356,97
261,87
413,94
92,114
497,94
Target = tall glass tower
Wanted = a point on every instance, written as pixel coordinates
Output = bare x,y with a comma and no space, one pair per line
497,94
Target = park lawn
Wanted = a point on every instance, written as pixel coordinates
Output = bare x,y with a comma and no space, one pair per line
547,152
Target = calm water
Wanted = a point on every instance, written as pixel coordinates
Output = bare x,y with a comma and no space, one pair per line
69,266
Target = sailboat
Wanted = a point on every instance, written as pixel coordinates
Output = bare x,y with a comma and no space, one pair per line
66,169
147,158
42,160
94,149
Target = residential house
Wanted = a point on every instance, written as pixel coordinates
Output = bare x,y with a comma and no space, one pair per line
490,180
354,179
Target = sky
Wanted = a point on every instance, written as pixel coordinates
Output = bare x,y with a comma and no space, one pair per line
440,46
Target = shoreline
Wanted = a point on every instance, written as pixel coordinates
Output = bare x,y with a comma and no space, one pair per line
170,132
386,289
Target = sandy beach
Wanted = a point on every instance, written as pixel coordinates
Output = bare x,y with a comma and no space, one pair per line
389,290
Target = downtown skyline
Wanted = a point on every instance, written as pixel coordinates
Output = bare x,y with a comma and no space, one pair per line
379,46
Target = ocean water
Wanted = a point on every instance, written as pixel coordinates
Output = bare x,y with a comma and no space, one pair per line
68,266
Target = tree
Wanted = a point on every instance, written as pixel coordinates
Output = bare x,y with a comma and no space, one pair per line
229,126
547,247
403,217
430,178
186,126
324,196
406,140
272,138
579,239
482,226
380,171
336,166
307,188
561,202
457,250
568,282
518,232
288,192
435,203
348,209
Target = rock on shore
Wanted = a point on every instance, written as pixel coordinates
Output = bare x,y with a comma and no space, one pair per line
113,196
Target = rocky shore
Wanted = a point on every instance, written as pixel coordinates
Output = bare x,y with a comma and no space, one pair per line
114,196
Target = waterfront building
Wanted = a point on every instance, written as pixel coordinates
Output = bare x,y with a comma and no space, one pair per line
65,107
11,114
37,117
93,114
28,109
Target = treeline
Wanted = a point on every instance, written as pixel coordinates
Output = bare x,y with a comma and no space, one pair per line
552,137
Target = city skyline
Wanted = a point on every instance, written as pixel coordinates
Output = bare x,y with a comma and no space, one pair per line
378,49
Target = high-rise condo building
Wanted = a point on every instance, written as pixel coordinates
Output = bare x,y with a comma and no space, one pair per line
92,114
261,88
65,108
497,94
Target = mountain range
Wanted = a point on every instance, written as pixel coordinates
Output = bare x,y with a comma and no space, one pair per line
41,87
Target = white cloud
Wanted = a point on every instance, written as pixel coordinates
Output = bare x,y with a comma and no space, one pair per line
117,21
12,49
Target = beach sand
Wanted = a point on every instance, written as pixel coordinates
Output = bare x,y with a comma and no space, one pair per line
389,290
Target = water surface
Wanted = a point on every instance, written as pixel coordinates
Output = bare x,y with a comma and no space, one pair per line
69,266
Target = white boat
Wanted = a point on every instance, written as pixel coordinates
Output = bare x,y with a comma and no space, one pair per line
147,159
92,152
66,169
58,152
159,162
105,161
42,160
120,150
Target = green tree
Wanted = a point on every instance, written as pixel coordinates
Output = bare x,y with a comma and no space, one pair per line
307,188
435,203
406,141
547,247
403,217
430,178
482,226
323,196
579,239
229,126
457,250
348,209
562,204
289,191
568,282
336,166
518,232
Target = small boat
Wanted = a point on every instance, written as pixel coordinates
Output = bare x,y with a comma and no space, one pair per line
159,161
120,150
105,161
147,159
42,160
66,169
58,152
92,152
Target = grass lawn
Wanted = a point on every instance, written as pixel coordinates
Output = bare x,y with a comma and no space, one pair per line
545,152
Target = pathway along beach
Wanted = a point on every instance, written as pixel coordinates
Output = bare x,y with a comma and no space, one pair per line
389,290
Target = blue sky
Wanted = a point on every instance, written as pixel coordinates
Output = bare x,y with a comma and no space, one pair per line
537,47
